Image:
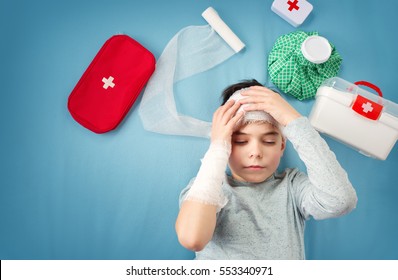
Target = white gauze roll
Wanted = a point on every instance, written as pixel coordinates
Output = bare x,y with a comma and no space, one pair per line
207,187
212,17
192,50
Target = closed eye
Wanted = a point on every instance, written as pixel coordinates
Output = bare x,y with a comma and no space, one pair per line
269,143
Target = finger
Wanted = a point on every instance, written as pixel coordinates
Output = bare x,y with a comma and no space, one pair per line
257,91
236,119
228,115
232,124
222,109
255,99
229,103
257,107
226,106
261,88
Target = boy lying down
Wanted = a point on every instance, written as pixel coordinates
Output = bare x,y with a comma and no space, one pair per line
255,212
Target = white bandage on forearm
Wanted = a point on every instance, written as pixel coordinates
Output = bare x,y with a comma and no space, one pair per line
207,187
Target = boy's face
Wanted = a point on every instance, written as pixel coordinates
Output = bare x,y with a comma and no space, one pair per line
256,152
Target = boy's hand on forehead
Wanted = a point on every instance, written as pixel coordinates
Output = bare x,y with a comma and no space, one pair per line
224,122
263,99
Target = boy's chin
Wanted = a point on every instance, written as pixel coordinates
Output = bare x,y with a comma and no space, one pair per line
256,181
254,178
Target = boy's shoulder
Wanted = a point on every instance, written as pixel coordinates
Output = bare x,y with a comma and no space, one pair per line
292,175
287,172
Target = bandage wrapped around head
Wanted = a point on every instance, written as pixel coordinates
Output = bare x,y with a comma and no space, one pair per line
252,116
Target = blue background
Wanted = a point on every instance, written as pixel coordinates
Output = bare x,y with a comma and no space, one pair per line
68,193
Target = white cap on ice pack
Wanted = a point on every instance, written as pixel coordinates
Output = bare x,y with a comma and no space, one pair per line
316,49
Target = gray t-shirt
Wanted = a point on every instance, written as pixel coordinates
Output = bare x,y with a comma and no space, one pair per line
266,220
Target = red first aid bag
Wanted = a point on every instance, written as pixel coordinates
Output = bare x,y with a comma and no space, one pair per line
111,84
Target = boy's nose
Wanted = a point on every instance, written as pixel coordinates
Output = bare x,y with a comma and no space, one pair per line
255,151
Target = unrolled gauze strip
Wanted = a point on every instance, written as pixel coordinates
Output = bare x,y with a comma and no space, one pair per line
212,17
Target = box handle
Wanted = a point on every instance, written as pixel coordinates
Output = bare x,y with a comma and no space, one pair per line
372,86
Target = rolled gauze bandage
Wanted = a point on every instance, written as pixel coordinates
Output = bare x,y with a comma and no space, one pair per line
194,49
212,17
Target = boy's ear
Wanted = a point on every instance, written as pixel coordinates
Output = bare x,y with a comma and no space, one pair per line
283,144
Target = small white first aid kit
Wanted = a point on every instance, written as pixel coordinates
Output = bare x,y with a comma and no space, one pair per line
293,11
363,120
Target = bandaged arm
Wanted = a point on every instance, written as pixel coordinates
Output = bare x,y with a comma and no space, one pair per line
197,218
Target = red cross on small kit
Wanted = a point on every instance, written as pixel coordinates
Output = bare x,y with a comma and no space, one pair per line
293,11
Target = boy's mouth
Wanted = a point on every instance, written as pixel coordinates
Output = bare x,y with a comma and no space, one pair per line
254,167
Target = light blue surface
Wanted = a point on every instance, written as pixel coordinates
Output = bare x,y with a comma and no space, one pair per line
68,193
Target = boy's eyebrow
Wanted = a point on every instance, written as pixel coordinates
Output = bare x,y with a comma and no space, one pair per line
265,134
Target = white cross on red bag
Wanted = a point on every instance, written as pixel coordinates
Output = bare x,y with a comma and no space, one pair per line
366,107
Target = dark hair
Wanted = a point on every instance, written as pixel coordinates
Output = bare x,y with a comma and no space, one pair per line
226,94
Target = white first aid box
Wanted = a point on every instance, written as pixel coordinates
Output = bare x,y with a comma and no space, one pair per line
293,11
361,119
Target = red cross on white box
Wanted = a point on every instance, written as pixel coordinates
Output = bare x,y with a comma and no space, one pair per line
293,5
293,11
367,108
